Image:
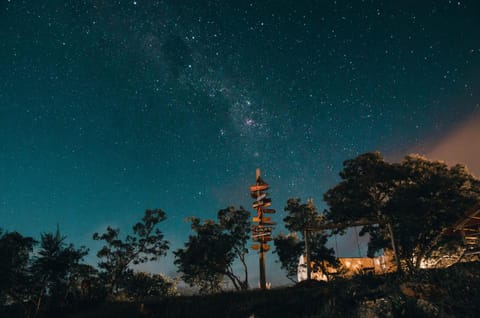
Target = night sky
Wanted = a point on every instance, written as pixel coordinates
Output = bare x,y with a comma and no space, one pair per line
108,108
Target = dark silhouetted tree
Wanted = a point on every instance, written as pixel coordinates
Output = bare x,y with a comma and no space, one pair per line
41,281
141,286
289,248
210,253
430,198
145,244
236,223
55,271
300,218
368,183
412,202
15,276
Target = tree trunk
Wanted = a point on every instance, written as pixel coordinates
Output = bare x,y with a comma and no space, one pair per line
234,279
394,248
307,255
245,269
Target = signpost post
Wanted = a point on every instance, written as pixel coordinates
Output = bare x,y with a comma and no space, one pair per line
262,232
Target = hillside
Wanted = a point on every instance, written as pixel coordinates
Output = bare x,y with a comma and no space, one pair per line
449,292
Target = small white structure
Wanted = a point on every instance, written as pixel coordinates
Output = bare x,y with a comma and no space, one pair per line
301,269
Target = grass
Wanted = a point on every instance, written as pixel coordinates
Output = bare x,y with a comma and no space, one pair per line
450,292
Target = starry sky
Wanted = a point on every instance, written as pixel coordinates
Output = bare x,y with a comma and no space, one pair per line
111,107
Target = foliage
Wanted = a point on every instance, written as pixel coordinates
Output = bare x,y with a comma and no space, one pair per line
430,198
89,288
141,286
210,253
55,269
451,292
15,278
411,202
146,244
366,186
363,193
289,248
237,225
35,282
301,217
321,257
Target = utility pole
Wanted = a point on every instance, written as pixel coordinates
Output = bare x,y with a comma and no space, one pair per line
262,232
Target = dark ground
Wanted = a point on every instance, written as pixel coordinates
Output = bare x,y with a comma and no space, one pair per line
449,292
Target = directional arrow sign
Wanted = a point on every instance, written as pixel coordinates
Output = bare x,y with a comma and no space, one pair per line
268,211
262,231
264,240
257,194
261,228
257,247
268,223
259,187
261,203
261,197
260,235
262,220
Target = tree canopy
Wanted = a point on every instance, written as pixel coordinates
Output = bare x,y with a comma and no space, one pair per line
300,217
142,286
15,278
408,206
55,269
210,253
409,203
289,248
146,244
44,279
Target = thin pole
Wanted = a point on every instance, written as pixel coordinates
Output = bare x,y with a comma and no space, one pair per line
307,255
263,282
358,244
394,247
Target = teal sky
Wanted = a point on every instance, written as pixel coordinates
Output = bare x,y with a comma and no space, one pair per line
108,108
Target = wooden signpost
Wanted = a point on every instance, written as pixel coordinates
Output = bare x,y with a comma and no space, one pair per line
262,232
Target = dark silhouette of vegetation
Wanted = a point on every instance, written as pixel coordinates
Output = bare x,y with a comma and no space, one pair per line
411,202
48,279
410,205
146,244
55,271
210,253
446,292
289,248
300,217
140,286
15,276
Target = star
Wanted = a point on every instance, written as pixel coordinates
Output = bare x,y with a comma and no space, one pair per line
131,105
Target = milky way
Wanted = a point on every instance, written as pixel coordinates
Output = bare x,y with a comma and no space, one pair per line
111,107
